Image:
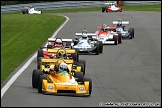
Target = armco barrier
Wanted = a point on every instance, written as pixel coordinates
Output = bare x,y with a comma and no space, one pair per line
67,4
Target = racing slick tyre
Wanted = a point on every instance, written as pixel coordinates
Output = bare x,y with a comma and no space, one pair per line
68,45
90,85
82,68
41,77
103,9
77,54
79,76
35,77
100,46
115,39
119,38
131,33
84,63
39,54
97,50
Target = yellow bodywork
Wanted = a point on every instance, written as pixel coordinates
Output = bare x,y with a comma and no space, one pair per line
68,51
52,62
64,81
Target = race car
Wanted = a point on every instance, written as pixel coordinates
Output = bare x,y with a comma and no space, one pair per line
59,79
129,34
111,8
53,45
107,35
30,10
61,54
86,44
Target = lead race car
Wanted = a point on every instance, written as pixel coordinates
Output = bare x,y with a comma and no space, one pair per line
107,35
30,10
111,8
86,44
59,79
121,29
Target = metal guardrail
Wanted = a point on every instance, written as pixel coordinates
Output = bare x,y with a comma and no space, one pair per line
67,4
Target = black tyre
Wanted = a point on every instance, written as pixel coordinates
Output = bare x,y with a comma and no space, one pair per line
119,38
131,33
100,46
49,46
40,82
82,68
103,9
68,45
97,50
39,62
39,54
35,77
84,64
79,76
90,84
115,39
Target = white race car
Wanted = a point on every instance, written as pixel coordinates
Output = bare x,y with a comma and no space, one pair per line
30,10
86,44
124,32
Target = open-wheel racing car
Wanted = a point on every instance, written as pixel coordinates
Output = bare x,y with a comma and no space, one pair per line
59,79
56,43
30,10
107,35
86,44
111,8
79,65
121,29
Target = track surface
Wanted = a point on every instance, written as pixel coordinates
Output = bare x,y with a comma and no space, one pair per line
128,72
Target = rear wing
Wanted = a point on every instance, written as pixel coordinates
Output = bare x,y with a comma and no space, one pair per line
123,22
88,34
109,27
50,60
63,40
68,51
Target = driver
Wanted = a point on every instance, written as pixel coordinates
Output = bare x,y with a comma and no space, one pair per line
61,66
119,24
58,43
84,34
61,53
104,27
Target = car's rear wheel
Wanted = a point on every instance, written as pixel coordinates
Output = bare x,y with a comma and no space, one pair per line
79,77
97,50
119,38
115,39
39,54
100,46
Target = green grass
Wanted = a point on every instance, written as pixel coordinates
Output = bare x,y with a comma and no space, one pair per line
21,35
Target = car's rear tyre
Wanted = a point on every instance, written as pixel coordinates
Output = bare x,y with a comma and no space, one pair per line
100,46
39,54
40,82
115,39
84,64
97,50
76,55
103,9
131,33
90,84
82,68
35,77
119,38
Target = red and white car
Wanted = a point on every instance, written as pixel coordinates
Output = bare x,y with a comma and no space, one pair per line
111,8
108,36
52,48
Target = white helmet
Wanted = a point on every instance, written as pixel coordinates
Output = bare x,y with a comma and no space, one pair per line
84,33
63,67
58,42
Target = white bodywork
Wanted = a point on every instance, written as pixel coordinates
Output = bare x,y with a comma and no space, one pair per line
106,39
110,2
114,8
34,11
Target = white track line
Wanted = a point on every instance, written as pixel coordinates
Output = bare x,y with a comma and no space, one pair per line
9,83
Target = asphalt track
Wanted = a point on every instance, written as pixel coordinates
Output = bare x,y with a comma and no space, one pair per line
128,72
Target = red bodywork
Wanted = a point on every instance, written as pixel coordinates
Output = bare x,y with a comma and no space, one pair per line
110,10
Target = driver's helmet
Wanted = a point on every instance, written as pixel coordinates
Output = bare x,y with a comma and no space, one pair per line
58,42
61,53
84,33
30,6
104,27
119,22
63,67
